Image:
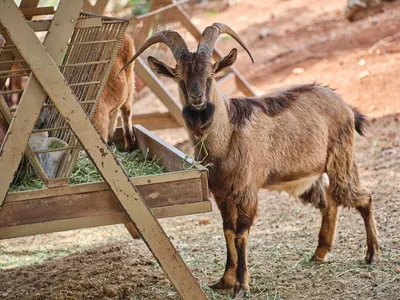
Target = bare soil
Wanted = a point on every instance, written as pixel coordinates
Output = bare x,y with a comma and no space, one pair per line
314,43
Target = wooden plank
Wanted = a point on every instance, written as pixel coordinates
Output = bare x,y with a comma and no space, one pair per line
100,220
44,25
98,8
151,121
172,158
48,74
100,186
33,98
96,203
30,12
158,88
155,121
29,3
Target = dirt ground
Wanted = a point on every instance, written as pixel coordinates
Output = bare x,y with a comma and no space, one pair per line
309,41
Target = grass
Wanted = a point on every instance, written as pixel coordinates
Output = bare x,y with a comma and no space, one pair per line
135,164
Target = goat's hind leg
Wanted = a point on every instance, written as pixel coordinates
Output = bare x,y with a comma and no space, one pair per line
364,205
319,196
349,192
327,232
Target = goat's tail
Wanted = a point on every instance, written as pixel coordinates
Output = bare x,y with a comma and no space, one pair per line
360,121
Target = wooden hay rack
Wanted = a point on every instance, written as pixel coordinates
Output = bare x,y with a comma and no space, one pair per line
71,101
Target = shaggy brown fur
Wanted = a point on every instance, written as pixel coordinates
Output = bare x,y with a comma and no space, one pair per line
118,97
241,109
299,140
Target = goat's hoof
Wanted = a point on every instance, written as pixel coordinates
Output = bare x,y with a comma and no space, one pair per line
241,291
372,256
221,285
318,259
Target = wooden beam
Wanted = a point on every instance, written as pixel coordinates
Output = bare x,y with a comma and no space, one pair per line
30,12
52,81
33,98
158,88
44,25
102,186
173,160
155,121
100,220
95,203
98,8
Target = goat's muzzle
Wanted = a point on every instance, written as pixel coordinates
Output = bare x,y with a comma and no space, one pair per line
198,117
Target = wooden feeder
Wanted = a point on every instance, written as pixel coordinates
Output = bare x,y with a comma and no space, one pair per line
67,72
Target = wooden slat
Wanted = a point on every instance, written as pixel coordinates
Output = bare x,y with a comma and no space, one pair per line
52,81
100,186
100,220
98,8
34,97
44,25
173,159
155,121
37,11
151,121
158,88
96,203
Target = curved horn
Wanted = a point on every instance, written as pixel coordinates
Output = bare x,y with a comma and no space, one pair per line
170,38
210,36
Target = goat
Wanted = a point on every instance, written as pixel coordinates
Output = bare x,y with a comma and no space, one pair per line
118,97
299,140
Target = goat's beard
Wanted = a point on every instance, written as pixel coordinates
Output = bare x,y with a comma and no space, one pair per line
198,121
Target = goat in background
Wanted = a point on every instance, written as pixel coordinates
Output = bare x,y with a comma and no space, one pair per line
117,97
299,140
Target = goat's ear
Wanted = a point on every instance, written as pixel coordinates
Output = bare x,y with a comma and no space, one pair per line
160,67
226,62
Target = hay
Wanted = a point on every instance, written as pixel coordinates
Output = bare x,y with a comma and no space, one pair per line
134,163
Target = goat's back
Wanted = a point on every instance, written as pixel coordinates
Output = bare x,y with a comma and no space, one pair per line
291,132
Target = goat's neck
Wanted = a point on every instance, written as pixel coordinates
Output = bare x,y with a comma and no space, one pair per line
217,138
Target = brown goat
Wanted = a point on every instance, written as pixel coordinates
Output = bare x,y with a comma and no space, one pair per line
118,96
299,140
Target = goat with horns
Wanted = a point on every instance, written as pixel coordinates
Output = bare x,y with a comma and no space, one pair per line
299,140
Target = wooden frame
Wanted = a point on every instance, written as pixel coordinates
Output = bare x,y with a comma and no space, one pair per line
46,76
93,204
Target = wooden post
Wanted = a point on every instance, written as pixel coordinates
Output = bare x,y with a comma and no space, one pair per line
52,81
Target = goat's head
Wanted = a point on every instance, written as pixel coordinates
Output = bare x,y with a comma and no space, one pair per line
194,72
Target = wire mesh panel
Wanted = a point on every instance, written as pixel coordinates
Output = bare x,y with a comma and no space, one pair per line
86,65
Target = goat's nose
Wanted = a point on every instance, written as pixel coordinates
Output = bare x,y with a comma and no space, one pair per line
196,97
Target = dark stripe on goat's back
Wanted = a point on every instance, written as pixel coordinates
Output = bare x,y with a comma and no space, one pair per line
241,109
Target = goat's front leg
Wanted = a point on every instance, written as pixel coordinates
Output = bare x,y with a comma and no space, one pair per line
229,216
247,210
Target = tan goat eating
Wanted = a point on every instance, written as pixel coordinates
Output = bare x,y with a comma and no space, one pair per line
118,97
299,140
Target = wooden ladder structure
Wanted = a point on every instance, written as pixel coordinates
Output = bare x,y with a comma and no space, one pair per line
46,78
